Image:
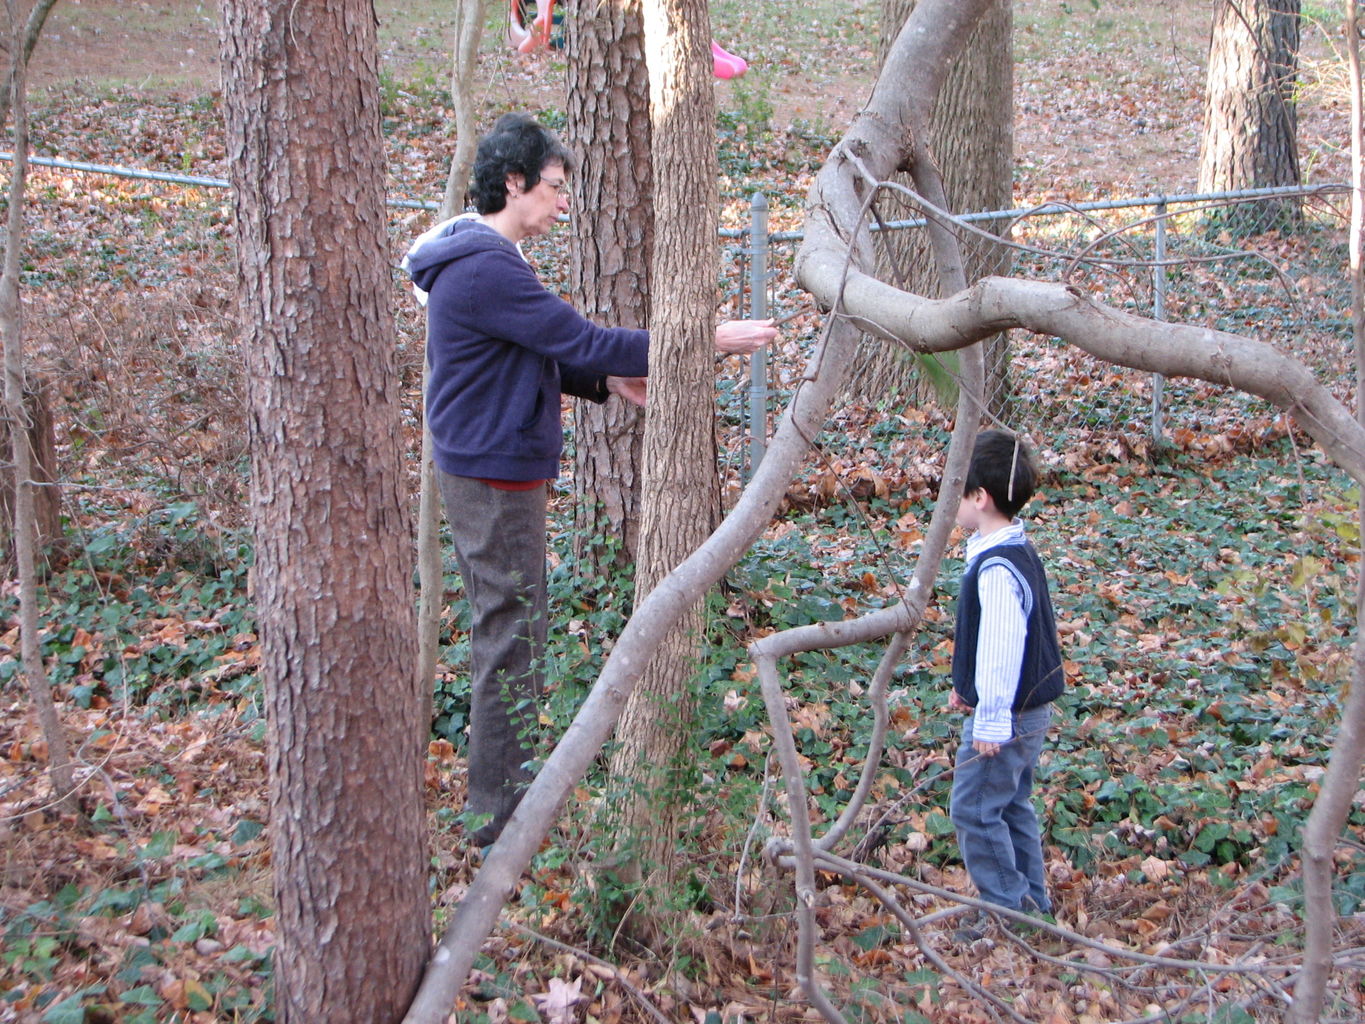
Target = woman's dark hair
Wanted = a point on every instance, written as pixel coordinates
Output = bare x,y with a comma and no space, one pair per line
518,144
1001,463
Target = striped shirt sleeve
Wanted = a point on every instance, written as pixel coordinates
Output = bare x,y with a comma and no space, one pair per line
999,650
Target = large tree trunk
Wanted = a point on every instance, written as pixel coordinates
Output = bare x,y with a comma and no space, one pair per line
972,135
333,574
680,494
611,247
1250,119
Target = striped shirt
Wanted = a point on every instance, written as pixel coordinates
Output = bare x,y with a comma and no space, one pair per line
1000,636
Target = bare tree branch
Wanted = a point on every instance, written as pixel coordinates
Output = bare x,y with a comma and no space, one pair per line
593,725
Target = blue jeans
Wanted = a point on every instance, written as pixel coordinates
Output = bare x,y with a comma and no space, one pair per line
997,827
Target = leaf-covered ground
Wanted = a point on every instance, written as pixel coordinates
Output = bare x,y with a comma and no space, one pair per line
1205,589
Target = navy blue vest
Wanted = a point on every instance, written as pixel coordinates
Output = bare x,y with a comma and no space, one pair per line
1040,675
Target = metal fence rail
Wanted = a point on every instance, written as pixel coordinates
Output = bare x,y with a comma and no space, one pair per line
170,178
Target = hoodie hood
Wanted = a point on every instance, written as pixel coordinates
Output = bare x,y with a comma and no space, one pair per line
449,241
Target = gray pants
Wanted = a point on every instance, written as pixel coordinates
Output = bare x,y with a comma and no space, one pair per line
500,546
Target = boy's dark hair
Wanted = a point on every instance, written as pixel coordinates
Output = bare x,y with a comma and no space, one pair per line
1003,465
518,144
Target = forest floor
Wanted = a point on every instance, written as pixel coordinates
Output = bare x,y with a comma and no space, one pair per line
1204,586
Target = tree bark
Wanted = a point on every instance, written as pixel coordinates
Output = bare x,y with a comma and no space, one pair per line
1250,135
680,503
611,246
971,132
20,432
333,573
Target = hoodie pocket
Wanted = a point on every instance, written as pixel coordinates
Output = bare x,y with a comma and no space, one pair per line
529,424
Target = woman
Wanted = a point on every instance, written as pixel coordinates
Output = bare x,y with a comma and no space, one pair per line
501,350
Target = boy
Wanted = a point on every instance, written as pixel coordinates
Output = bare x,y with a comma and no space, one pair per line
1007,668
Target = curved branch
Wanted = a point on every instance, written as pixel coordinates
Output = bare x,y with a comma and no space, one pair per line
1176,350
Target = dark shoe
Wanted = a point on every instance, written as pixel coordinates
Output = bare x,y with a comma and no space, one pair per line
482,838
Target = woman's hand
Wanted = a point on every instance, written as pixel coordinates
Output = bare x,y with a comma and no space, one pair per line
632,389
741,337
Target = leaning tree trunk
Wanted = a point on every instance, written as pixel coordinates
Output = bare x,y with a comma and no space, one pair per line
333,573
680,494
611,248
1250,119
874,147
972,134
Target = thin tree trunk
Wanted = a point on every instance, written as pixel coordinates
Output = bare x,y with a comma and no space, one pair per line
469,17
33,28
333,573
25,530
430,569
611,247
1250,135
680,495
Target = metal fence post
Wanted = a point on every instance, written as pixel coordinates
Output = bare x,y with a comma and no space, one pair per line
1159,313
758,310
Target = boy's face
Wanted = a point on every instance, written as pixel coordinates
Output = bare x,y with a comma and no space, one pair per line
972,508
976,512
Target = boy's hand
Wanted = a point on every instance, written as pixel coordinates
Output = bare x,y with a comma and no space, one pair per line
985,749
956,703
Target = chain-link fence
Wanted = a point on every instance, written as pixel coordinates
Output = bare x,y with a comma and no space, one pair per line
1171,258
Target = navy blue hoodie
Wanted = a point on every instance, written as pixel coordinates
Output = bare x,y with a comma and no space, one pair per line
501,350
